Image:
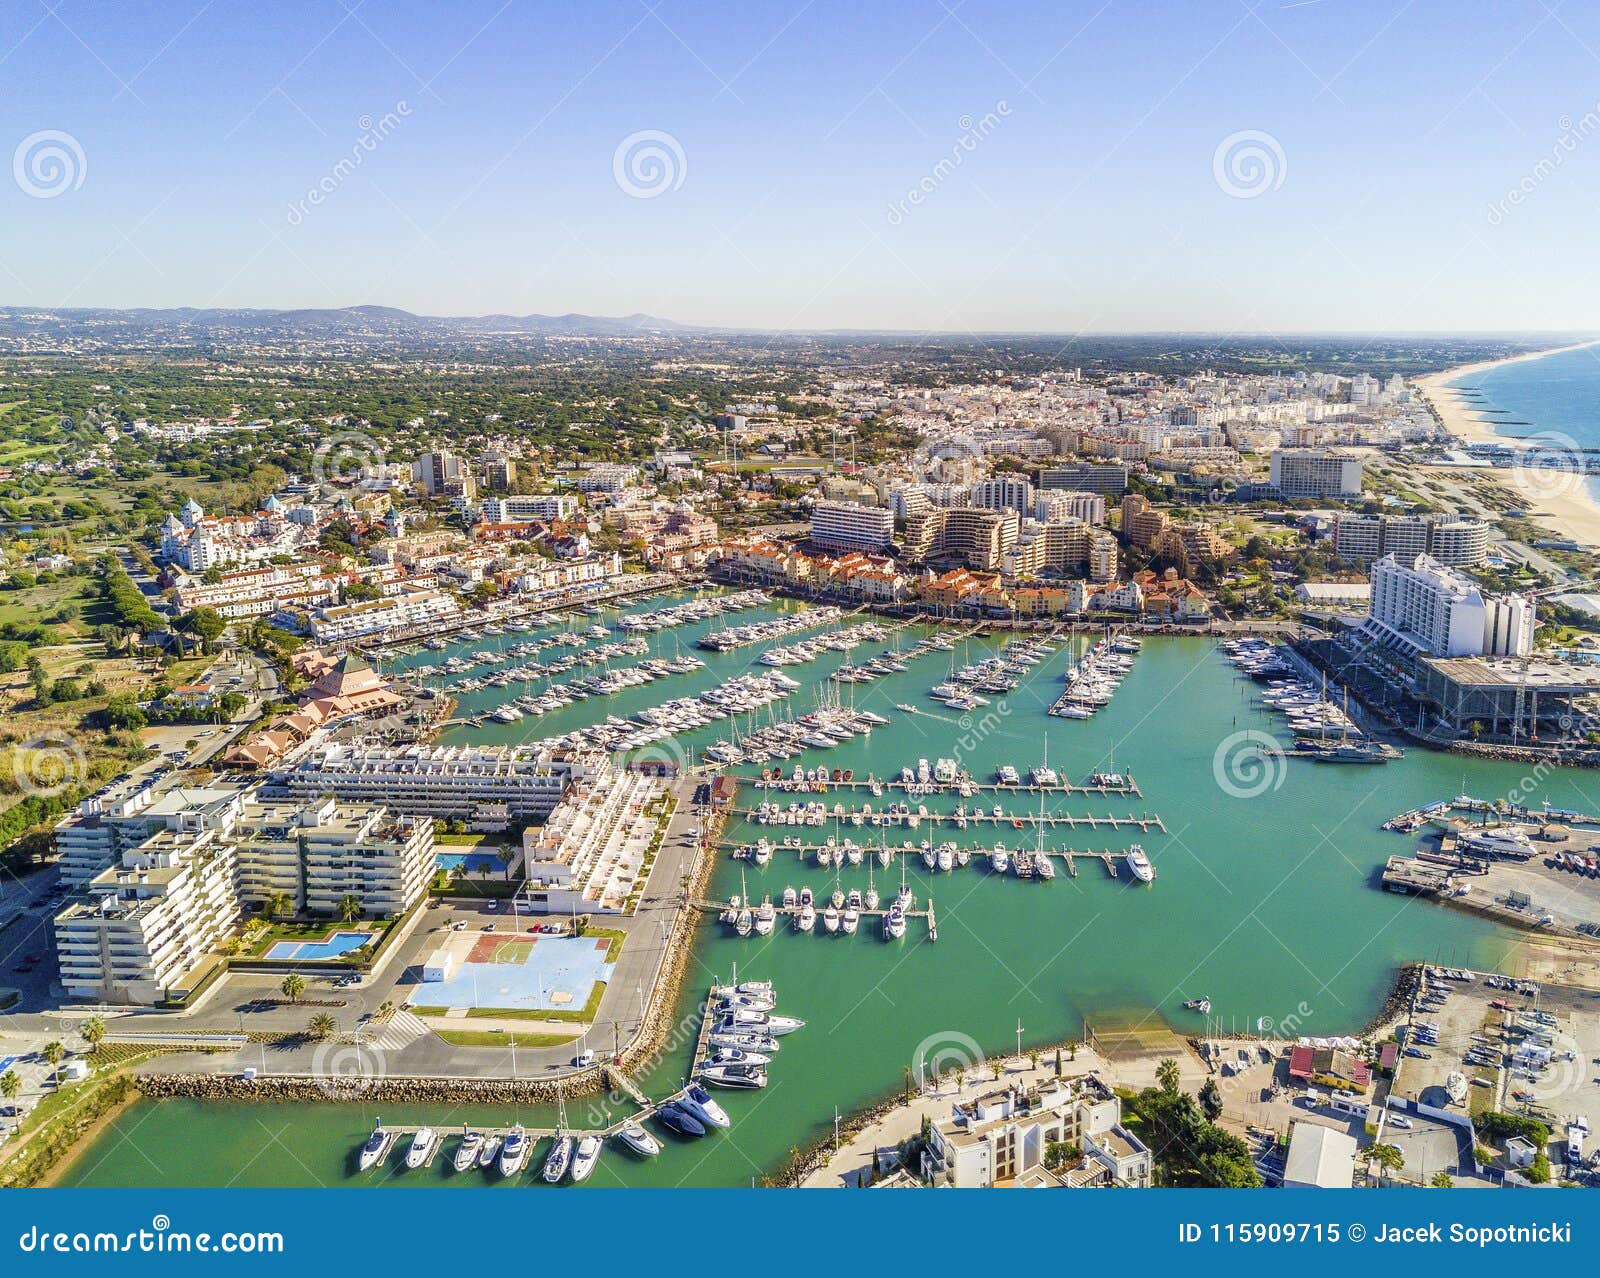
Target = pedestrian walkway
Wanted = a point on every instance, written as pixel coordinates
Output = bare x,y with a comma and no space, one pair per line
400,1031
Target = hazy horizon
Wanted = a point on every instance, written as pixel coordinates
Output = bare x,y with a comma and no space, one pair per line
811,167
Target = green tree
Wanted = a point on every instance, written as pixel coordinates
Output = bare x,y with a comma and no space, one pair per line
276,905
322,1026
10,1085
1167,1075
1441,1180
1210,1099
349,907
1388,1157
55,1052
94,1031
294,985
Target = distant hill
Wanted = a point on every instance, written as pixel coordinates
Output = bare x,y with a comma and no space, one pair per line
347,321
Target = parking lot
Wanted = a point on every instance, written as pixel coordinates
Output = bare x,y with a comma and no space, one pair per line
1523,1048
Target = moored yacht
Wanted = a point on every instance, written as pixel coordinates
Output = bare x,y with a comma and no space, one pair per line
377,1148
1140,865
514,1153
698,1102
423,1145
467,1151
584,1158
558,1159
638,1140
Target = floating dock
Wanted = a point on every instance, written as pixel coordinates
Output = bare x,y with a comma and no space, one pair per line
956,788
1017,821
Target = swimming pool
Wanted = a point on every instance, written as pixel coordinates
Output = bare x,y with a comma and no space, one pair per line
468,862
330,947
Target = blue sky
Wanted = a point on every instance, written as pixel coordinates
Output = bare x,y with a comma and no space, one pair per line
1072,162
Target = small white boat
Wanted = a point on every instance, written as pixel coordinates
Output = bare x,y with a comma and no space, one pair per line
850,920
1140,865
584,1158
806,919
699,1103
638,1140
830,918
377,1148
422,1148
514,1153
467,1151
741,1076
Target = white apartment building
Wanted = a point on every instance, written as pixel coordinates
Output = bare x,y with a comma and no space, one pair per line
607,479
488,786
1052,507
318,853
104,826
1067,545
1315,472
1000,1139
1003,492
258,592
591,851
411,606
842,525
1425,608
547,507
1091,478
151,920
1452,540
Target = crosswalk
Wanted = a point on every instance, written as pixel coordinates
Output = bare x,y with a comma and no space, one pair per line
399,1032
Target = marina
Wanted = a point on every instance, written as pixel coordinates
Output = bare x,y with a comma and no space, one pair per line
1094,678
1051,955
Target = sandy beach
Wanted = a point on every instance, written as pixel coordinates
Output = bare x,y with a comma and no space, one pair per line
1572,511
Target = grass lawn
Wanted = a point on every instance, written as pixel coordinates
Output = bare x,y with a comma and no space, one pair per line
498,1038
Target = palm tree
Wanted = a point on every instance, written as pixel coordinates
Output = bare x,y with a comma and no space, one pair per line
322,1026
1167,1075
1388,1157
10,1085
349,907
276,905
1441,1180
94,1031
294,985
55,1052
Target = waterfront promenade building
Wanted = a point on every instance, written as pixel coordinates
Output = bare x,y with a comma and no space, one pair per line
487,786
978,539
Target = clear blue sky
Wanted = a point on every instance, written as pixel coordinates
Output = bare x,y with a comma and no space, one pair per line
1091,200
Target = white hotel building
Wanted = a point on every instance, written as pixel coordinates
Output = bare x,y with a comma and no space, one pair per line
1423,608
843,525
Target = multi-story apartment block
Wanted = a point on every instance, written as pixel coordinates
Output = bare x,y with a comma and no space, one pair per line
841,525
1003,492
1090,478
1049,507
1424,608
979,539
258,592
411,606
547,507
1068,545
1314,472
1001,1137
1452,540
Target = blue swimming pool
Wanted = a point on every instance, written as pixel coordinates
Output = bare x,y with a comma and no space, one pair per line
468,862
332,947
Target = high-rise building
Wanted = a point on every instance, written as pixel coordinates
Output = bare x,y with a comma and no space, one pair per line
1087,478
1003,492
1315,472
1424,608
843,525
1452,540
